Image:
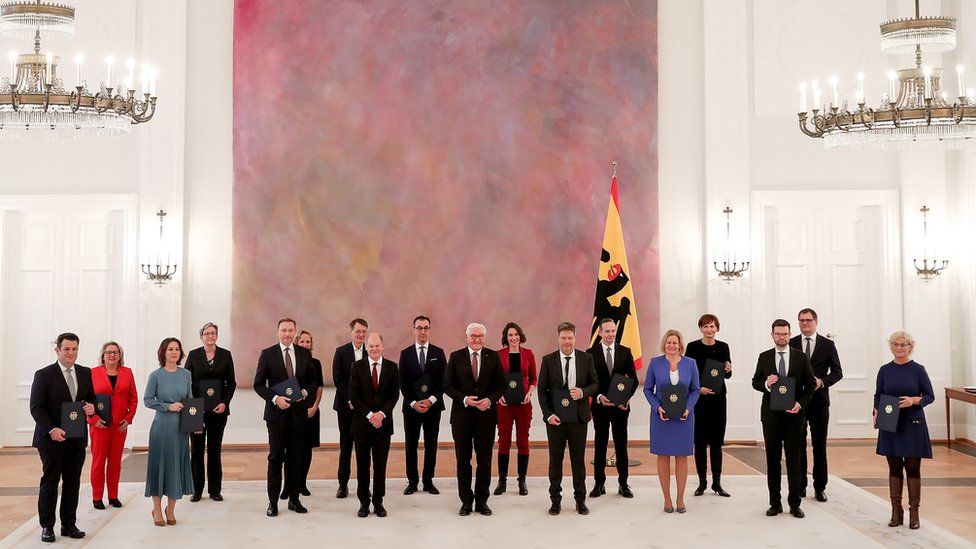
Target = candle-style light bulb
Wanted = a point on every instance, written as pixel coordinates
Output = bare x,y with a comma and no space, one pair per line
12,56
927,76
131,64
892,86
860,87
79,60
110,65
833,91
152,81
960,79
49,58
803,97
816,93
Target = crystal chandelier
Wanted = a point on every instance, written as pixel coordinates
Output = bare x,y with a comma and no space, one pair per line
159,272
34,102
915,112
931,264
731,267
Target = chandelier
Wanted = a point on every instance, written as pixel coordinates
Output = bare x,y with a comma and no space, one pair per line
34,100
931,264
915,112
732,266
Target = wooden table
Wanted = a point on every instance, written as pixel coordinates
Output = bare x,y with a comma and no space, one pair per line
957,393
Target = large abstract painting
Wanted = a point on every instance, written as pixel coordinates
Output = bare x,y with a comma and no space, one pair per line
444,157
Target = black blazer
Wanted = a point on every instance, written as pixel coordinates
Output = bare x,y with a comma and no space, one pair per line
410,372
342,362
551,377
222,369
623,364
459,382
48,391
365,399
271,371
825,364
799,368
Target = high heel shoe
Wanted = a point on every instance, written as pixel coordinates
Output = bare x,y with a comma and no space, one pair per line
668,509
717,488
170,521
156,522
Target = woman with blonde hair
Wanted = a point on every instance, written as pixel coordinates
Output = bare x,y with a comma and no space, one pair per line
112,378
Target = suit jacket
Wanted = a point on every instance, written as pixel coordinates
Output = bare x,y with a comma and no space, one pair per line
222,369
271,371
825,364
409,367
799,368
659,373
365,399
459,382
551,377
623,364
530,375
342,362
48,391
125,399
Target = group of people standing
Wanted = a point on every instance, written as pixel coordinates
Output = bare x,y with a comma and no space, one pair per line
476,378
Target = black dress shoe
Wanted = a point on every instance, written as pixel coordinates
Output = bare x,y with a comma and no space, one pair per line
216,497
581,508
431,489
821,497
98,504
598,491
194,498
700,490
363,511
297,507
72,532
115,503
342,492
272,510
501,486
523,489
410,489
47,534
305,491
624,491
555,508
717,488
284,495
483,509
465,509
774,510
797,512
379,510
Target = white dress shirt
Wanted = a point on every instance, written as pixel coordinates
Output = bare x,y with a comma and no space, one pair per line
786,359
417,347
291,351
358,353
813,343
379,373
481,364
613,357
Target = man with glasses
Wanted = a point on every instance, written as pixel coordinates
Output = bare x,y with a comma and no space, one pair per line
822,354
422,384
474,381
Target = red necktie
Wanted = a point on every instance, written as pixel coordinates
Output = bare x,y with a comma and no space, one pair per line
474,364
376,378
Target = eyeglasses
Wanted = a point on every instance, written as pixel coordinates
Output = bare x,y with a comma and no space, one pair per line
209,334
806,320
112,353
422,328
901,345
476,336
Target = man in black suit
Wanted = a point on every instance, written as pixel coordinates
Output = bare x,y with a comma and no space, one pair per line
474,381
822,354
61,459
572,369
373,391
609,358
342,361
783,429
284,417
422,360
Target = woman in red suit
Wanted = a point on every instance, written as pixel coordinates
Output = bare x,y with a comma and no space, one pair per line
111,378
515,358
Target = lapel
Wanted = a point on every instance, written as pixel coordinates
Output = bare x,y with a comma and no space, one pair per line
61,383
579,372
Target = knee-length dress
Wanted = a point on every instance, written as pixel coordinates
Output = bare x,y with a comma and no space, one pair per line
168,472
911,437
673,437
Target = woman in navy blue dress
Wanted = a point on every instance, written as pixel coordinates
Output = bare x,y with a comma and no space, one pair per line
672,437
905,448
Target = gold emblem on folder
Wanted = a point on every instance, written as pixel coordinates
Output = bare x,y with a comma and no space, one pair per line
210,391
888,409
673,398
193,410
714,372
565,403
423,388
289,391
783,389
73,416
620,386
101,406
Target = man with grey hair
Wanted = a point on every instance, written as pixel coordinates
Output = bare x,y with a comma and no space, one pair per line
474,381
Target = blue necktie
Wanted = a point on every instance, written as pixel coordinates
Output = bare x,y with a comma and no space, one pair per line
782,365
423,359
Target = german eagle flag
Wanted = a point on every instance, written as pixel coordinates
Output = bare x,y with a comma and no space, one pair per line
614,290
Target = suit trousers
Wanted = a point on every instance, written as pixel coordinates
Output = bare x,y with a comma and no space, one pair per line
521,416
345,445
710,420
573,434
61,464
375,448
287,441
818,417
106,448
784,436
605,420
209,442
480,438
413,422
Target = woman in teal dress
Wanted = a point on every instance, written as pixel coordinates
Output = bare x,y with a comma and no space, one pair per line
168,473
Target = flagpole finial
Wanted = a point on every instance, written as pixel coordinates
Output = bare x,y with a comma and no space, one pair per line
613,168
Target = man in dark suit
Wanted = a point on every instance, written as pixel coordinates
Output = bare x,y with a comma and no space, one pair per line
373,391
783,429
474,381
609,358
822,354
342,361
284,417
572,369
61,459
422,360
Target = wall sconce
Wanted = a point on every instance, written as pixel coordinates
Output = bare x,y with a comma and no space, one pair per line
931,266
731,268
160,273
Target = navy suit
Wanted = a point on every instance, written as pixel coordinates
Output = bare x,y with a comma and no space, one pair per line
429,421
342,361
826,366
372,444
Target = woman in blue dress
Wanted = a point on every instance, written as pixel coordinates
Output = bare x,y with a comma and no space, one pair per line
168,473
672,437
905,448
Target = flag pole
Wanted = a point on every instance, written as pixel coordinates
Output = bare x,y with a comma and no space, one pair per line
613,168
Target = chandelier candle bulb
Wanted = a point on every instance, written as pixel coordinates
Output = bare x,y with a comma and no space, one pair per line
152,81
833,92
131,63
892,80
816,96
108,63
959,76
927,73
860,88
78,64
13,66
50,60
803,97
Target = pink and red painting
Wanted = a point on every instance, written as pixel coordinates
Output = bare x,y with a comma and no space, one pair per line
439,157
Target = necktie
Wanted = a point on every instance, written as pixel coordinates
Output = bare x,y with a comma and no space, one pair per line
423,358
609,361
807,350
474,364
782,365
72,386
376,378
566,374
289,367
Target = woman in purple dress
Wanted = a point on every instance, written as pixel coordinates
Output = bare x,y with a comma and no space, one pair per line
672,437
905,448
